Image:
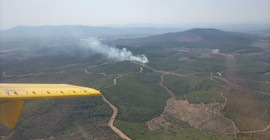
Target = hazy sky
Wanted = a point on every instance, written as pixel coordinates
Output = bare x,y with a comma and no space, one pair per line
121,12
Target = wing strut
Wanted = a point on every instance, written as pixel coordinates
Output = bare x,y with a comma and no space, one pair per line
9,112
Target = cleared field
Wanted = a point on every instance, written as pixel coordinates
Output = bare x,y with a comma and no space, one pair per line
140,132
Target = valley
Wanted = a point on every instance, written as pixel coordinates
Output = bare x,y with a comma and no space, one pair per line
186,90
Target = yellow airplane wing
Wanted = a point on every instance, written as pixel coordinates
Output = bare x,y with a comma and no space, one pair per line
12,97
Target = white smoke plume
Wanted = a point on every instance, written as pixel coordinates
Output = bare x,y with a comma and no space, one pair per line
112,52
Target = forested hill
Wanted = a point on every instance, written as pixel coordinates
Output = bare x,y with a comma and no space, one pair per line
198,38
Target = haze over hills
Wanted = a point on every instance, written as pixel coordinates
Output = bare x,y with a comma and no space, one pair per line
200,83
78,31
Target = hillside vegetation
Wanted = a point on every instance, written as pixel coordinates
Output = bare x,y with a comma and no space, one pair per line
185,83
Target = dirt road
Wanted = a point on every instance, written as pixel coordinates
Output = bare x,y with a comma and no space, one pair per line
161,84
256,131
159,71
115,111
5,75
141,69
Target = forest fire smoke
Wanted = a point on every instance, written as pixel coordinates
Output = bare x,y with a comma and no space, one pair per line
112,52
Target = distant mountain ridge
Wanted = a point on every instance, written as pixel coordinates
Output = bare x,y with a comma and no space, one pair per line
192,33
197,38
76,31
209,38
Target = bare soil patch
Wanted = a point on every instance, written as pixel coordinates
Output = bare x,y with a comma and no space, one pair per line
205,117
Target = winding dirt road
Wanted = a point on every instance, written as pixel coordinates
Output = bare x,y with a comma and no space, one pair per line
112,119
5,75
256,131
87,72
115,111
165,87
159,71
141,69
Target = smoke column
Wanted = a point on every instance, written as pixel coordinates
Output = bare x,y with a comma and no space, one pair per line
112,52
